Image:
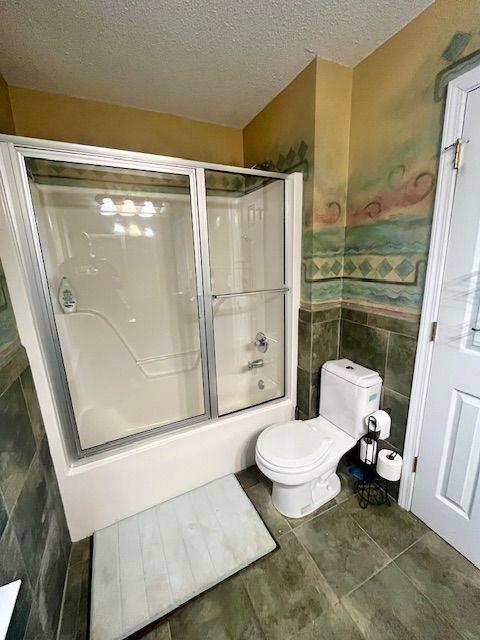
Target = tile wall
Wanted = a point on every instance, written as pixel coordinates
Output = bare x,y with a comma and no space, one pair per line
318,341
384,343
34,538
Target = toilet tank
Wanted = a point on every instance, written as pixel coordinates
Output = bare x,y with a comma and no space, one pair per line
348,394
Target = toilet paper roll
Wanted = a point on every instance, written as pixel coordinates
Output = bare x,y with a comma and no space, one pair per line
389,465
368,450
382,421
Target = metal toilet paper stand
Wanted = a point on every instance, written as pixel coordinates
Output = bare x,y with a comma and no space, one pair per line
371,490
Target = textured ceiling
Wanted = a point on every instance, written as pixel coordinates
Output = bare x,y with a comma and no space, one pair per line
214,60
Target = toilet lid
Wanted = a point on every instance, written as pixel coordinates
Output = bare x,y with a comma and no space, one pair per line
293,444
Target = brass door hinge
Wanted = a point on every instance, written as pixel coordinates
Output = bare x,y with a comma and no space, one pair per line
414,465
457,158
433,334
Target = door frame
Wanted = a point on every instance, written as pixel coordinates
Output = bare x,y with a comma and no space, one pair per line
454,116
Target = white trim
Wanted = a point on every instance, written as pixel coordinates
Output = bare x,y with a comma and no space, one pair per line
34,146
293,261
447,175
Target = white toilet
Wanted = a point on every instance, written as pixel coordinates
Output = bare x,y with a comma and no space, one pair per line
301,457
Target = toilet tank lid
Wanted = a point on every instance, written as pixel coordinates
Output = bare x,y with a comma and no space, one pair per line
352,372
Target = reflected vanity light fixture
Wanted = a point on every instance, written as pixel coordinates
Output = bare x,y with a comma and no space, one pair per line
108,207
134,230
111,204
128,208
148,210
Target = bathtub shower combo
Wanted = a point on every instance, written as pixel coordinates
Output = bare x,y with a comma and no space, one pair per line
162,301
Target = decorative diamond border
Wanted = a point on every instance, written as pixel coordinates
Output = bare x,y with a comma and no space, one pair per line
398,269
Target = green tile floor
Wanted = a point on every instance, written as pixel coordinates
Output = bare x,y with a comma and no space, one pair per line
341,573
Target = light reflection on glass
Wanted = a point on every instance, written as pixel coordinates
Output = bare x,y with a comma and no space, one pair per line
108,208
148,210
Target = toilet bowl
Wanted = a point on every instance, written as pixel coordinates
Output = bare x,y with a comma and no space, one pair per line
301,457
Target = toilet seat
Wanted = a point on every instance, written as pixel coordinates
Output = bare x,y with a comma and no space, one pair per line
295,446
285,471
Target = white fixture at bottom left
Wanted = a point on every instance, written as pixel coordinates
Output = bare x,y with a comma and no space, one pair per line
8,597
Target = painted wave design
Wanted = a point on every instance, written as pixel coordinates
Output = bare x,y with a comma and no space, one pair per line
408,235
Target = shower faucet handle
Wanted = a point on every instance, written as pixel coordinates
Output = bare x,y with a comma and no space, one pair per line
262,341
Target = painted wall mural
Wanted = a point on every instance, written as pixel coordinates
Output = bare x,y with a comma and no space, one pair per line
392,181
365,243
386,240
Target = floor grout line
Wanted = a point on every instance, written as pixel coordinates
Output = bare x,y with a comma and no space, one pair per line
410,546
64,597
245,587
442,615
347,595
319,515
370,537
331,596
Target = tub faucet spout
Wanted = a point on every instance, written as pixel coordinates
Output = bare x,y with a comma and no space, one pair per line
255,364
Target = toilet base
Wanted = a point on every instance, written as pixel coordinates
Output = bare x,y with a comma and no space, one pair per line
297,501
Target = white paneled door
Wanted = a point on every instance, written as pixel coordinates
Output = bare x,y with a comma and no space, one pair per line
447,485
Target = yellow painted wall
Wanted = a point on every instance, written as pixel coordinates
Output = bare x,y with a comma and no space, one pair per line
52,116
333,95
287,120
284,134
315,109
6,117
332,134
397,119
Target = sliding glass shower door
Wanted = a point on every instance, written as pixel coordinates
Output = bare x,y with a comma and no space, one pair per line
120,254
160,291
247,277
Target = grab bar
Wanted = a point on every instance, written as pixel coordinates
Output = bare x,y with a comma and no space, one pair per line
143,361
166,356
250,293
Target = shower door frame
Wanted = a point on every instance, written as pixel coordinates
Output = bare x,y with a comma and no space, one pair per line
31,246
21,216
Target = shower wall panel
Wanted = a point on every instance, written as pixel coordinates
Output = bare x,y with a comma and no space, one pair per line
246,245
130,339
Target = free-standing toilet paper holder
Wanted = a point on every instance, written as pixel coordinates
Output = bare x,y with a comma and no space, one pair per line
371,489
